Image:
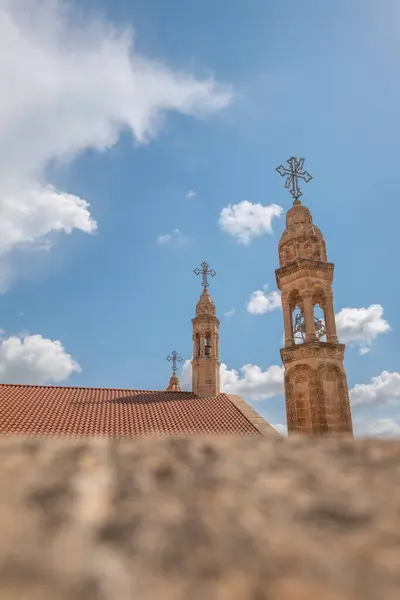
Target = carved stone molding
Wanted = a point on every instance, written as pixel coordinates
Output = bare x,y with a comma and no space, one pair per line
202,327
206,319
344,417
201,362
312,349
305,268
315,378
300,373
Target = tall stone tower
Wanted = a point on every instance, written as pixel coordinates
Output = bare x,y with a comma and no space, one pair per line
316,392
205,363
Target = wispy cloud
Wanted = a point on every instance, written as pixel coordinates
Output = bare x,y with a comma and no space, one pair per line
229,313
71,84
176,237
384,428
191,195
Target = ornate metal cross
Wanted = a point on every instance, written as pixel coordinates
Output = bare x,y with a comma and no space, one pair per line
293,174
204,272
174,357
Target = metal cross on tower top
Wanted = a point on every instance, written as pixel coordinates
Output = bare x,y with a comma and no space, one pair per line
293,174
204,272
174,357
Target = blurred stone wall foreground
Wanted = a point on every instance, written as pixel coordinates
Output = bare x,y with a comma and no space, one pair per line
199,519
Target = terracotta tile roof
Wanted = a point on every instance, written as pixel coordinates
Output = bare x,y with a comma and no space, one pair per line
71,411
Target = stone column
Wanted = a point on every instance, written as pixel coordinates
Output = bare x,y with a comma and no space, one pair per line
309,318
330,323
202,341
211,341
287,321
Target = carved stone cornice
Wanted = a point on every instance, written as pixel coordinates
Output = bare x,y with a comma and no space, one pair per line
312,349
301,237
304,267
206,320
201,362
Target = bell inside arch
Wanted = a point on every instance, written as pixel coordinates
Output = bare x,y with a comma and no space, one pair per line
319,324
299,327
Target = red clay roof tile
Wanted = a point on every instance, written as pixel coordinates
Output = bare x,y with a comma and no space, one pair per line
72,411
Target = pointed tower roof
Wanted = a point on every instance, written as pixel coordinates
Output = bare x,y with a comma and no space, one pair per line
205,305
301,239
173,384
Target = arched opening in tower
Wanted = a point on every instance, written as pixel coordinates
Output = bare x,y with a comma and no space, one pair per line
315,314
207,347
297,316
319,302
319,321
197,346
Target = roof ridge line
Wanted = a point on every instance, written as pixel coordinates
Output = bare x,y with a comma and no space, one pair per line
253,417
83,387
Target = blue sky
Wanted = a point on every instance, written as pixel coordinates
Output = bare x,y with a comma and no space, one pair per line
211,97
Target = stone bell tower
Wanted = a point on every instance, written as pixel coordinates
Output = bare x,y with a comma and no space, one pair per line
316,392
205,363
173,384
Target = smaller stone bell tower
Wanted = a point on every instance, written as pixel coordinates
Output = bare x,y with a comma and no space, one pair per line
317,399
173,384
205,362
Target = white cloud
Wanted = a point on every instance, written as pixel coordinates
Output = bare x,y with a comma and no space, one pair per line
229,313
360,326
254,384
364,350
29,215
262,301
186,375
282,429
70,84
175,236
383,389
191,195
164,239
245,220
384,428
34,359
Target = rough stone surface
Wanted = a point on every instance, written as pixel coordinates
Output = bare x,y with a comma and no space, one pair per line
199,518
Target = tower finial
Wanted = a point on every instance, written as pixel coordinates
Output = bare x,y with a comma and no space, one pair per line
174,357
173,384
204,272
292,177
